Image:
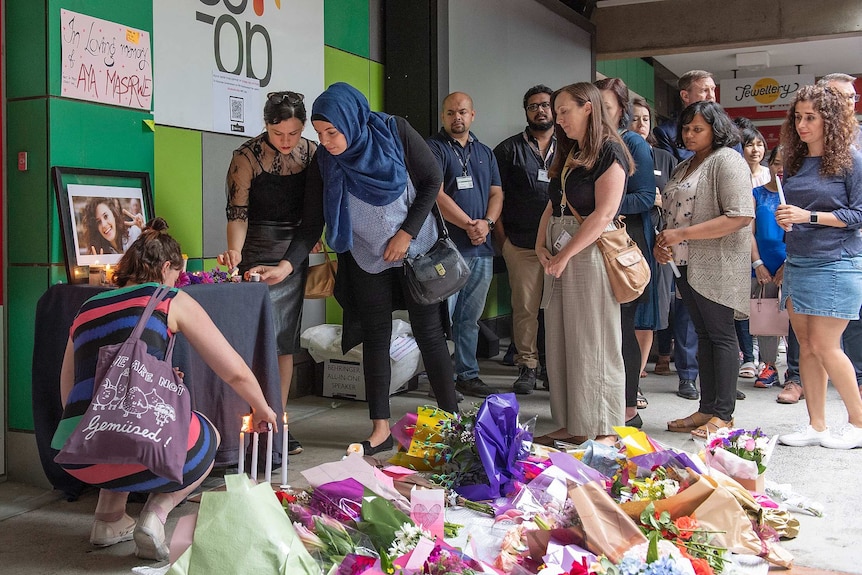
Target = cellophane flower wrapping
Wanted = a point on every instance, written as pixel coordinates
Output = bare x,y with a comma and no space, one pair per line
501,442
419,435
739,452
341,500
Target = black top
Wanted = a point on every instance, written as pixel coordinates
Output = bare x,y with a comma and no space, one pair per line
581,183
524,196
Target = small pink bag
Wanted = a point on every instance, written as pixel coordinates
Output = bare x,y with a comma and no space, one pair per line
766,318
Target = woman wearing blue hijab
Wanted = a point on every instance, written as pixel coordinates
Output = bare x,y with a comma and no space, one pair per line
379,181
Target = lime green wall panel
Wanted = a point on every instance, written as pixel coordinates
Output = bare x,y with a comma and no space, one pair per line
346,25
26,60
25,286
29,196
340,66
136,14
178,187
375,86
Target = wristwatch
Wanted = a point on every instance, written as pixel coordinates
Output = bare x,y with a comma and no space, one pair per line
491,224
812,218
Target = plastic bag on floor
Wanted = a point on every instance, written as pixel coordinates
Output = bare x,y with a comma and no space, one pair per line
244,530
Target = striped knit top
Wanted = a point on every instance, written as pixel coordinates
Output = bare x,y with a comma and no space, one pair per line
106,319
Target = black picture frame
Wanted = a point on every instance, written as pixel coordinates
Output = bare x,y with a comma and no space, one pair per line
126,204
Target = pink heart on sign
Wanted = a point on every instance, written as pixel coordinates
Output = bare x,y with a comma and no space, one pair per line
424,516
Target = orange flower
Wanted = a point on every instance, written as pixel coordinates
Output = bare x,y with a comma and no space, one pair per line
701,567
686,526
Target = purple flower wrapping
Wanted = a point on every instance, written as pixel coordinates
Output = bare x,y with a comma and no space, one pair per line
341,500
500,445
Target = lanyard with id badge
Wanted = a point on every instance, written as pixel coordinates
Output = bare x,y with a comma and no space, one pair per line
465,180
543,176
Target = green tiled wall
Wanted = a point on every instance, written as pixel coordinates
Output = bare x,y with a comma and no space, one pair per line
345,26
635,72
54,132
29,203
25,286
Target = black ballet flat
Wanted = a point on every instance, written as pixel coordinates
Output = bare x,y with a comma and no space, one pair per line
367,449
635,421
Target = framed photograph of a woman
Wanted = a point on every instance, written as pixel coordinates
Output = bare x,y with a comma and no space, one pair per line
101,213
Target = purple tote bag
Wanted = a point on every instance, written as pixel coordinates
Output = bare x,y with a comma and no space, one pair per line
140,411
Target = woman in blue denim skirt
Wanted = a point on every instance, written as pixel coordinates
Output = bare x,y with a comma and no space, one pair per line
823,273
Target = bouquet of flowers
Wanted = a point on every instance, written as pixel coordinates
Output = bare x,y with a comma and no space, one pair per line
694,542
478,453
214,276
739,452
658,557
659,484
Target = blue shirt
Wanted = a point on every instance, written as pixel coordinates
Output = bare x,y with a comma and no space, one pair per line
841,195
767,233
479,162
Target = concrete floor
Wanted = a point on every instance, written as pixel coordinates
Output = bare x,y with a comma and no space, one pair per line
42,534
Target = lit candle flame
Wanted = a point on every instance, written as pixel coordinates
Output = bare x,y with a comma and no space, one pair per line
246,423
285,418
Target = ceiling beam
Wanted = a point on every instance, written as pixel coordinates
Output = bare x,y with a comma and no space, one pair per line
679,26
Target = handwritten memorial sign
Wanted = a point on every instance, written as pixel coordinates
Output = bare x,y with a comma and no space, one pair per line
105,62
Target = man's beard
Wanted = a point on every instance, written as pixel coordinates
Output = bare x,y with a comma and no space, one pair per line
540,127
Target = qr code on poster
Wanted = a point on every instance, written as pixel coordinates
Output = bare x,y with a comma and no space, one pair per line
236,109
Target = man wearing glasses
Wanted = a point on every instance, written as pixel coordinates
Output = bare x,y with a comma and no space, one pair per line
852,338
524,160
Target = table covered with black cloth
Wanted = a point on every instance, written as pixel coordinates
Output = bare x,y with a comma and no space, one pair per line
241,311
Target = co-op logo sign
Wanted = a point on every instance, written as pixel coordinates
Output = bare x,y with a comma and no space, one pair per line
233,27
766,91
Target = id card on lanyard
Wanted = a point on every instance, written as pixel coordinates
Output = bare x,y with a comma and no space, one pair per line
465,180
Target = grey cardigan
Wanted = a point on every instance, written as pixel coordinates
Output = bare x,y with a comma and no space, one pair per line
720,269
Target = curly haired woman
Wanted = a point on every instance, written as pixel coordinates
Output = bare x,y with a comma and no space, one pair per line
823,273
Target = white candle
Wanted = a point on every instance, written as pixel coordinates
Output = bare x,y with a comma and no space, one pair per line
781,198
240,466
267,474
284,449
254,443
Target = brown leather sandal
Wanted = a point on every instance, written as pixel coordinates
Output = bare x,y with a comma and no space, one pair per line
687,424
710,427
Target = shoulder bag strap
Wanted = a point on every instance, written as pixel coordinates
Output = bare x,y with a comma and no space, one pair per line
563,201
161,292
442,230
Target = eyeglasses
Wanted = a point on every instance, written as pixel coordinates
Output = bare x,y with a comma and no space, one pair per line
854,97
536,106
293,98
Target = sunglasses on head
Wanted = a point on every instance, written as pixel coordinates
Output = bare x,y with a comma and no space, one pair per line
293,98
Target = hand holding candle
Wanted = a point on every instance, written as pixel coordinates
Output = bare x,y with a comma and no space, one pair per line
246,426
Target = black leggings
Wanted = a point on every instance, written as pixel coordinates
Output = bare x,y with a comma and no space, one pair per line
375,296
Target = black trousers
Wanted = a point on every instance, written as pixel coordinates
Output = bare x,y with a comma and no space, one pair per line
717,350
375,296
631,352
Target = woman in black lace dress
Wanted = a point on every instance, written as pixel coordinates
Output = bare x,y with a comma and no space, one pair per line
266,205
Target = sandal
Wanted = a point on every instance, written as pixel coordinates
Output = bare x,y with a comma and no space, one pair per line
687,424
748,370
710,427
642,400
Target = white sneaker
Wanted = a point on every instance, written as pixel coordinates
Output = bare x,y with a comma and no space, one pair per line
804,436
847,437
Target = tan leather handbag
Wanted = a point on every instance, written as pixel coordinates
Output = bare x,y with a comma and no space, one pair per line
320,280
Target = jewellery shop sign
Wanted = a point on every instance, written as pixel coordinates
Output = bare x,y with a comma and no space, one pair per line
765,93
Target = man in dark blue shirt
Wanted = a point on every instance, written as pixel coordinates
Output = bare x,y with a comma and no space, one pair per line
524,160
471,201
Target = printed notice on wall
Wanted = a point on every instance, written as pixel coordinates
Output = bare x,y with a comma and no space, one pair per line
236,105
105,62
